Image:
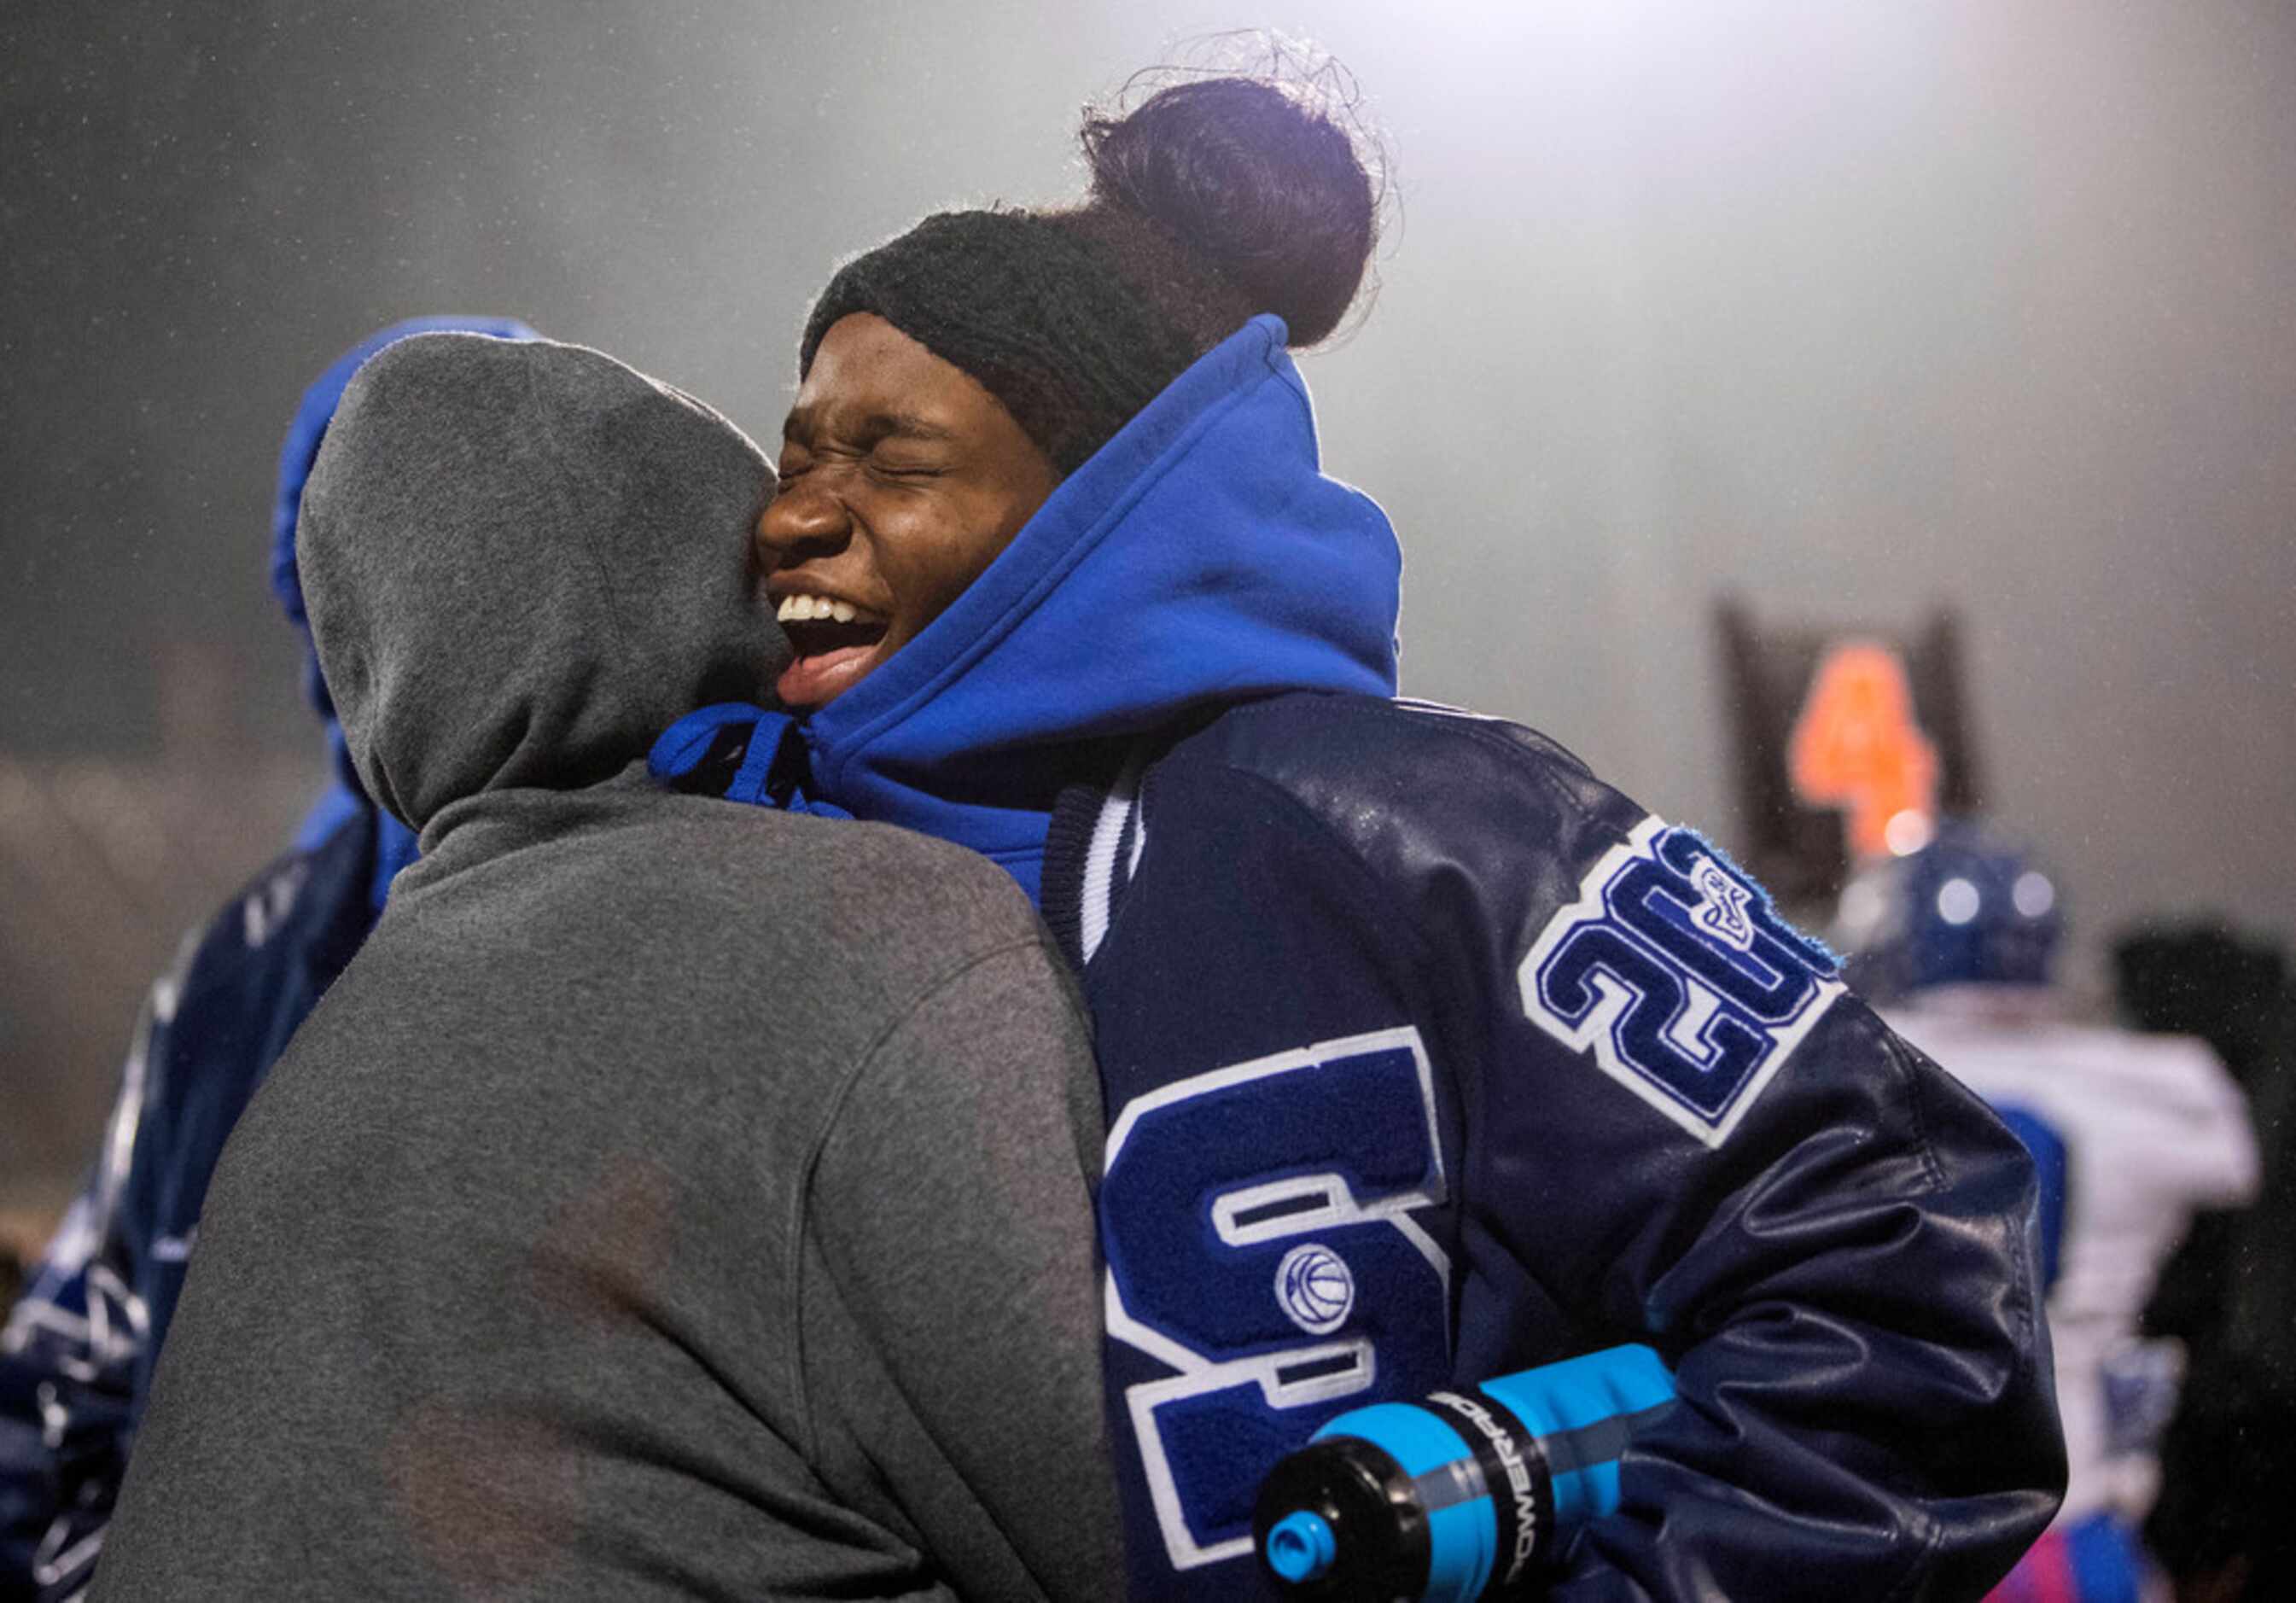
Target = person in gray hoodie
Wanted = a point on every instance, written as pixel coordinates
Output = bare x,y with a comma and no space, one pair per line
673,1198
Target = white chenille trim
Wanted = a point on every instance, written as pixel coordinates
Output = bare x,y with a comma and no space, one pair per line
1266,1371
1100,856
1596,1032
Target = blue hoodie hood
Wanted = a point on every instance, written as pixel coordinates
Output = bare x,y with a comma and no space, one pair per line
343,798
1199,557
300,449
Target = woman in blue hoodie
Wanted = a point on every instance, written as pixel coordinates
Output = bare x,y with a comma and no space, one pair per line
1427,1057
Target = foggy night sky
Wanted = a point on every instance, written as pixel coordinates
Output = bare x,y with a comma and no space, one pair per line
1851,311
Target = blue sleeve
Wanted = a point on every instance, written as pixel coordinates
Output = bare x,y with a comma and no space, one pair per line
77,1360
2052,1164
73,1347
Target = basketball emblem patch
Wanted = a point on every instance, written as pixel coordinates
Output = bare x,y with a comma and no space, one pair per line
1315,1288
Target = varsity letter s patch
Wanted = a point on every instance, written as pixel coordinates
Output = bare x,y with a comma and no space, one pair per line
1672,970
1262,1250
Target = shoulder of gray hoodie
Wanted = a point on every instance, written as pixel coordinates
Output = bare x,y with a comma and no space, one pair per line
672,1198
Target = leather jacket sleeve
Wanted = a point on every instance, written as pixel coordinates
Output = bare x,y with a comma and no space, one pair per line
1679,1128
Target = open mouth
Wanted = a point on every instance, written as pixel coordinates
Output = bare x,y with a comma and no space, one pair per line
835,642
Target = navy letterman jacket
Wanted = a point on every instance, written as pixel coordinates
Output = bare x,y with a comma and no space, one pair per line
1427,1057
77,1357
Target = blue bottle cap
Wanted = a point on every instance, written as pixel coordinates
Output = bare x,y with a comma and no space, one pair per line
1300,1547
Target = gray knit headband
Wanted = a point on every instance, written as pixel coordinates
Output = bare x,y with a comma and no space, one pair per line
1033,307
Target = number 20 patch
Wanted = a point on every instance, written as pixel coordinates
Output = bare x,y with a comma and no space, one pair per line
1672,970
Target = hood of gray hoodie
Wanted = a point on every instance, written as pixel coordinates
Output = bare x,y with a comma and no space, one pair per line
522,563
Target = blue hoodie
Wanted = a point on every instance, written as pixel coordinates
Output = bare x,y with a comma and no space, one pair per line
72,1386
1199,557
343,798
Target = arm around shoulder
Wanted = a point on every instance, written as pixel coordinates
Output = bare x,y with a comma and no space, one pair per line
951,1210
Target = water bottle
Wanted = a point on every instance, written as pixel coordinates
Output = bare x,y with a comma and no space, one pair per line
1463,1495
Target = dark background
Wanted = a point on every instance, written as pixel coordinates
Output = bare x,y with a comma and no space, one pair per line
1850,310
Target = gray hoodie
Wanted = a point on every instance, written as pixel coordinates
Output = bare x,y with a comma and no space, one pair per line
673,1199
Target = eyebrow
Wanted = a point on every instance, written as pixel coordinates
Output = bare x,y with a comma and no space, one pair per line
873,427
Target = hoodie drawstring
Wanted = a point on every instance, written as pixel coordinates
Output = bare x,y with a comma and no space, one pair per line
776,764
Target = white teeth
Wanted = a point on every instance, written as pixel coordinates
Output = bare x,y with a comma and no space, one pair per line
808,609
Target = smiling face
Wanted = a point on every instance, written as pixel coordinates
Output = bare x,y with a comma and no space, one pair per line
901,478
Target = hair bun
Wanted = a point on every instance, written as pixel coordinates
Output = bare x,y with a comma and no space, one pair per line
1255,178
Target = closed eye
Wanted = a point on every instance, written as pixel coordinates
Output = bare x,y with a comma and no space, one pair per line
913,471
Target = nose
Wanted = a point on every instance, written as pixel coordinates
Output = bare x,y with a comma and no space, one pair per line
805,520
